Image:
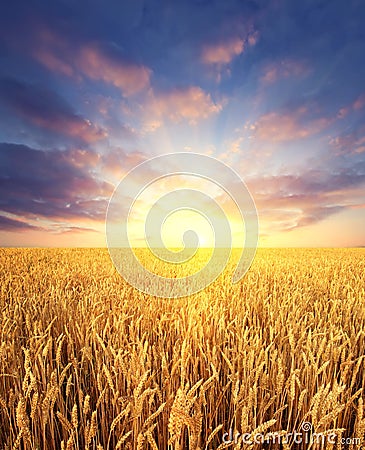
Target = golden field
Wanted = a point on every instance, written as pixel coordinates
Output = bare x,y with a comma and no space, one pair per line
88,362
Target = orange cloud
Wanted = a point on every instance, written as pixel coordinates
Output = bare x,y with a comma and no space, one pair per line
224,52
358,206
191,104
118,162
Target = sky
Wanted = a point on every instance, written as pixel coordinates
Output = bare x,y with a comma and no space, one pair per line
275,89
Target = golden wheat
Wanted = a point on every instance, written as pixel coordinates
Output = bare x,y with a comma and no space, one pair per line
87,362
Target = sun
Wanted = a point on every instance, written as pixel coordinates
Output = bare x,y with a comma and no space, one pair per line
203,241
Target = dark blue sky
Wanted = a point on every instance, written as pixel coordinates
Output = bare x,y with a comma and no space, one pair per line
274,88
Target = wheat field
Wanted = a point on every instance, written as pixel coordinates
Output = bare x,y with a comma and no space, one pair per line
87,362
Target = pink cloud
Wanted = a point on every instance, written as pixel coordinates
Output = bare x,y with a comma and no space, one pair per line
359,102
52,51
46,109
223,52
76,127
128,77
90,60
343,112
53,62
82,159
286,201
253,38
191,104
280,210
53,185
282,127
283,69
349,143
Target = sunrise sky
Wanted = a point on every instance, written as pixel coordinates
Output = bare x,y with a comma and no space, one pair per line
273,88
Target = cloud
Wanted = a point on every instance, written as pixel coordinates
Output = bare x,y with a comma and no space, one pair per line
287,202
218,55
253,38
355,106
273,221
60,228
9,224
55,185
128,77
53,62
97,62
359,102
13,224
349,143
317,214
284,69
46,109
190,103
288,126
223,52
313,182
118,162
82,159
